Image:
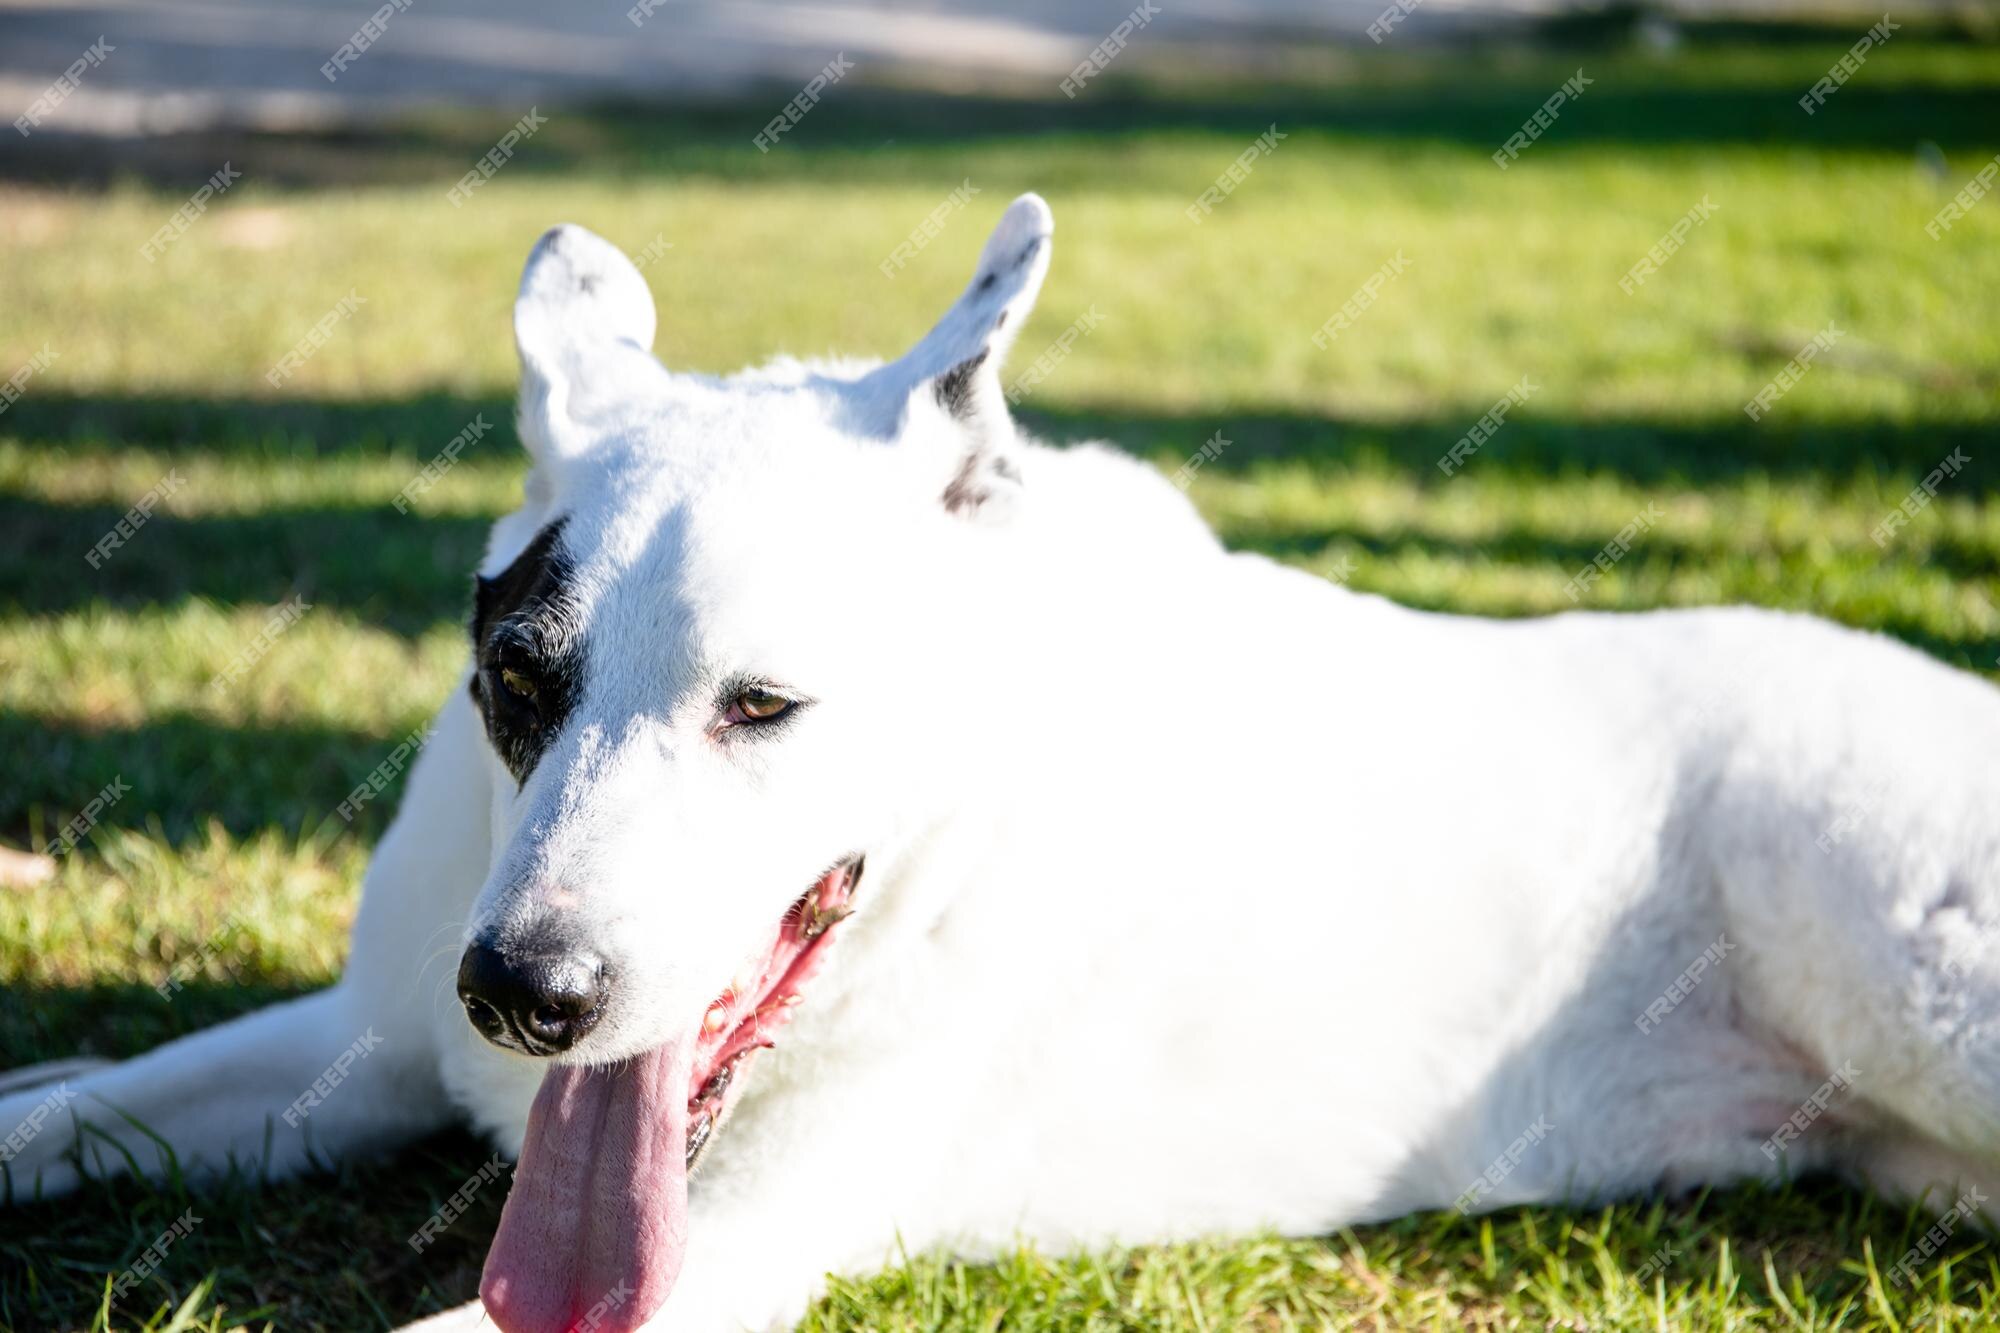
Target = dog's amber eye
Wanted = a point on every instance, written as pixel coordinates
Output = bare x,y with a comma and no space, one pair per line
759,706
518,684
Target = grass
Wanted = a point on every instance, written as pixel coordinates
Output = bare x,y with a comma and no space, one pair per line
1331,464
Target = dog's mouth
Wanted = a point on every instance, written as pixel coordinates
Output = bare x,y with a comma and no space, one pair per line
595,1226
745,1018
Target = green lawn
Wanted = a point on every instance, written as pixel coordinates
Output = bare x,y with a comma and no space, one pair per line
159,370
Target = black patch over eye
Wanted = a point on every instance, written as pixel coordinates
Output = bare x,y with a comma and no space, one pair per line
527,650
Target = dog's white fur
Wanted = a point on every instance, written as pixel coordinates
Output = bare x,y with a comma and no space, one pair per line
1201,896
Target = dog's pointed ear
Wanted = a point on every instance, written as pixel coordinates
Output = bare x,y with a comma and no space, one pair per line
583,324
955,368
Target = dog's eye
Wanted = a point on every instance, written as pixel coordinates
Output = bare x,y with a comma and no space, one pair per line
517,684
757,705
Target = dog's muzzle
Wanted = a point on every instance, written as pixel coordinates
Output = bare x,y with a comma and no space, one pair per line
536,1003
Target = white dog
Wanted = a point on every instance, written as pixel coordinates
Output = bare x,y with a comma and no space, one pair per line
1200,896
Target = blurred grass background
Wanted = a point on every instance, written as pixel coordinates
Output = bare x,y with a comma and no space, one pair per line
159,371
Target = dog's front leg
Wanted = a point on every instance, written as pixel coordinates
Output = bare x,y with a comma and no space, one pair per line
319,1077
323,1077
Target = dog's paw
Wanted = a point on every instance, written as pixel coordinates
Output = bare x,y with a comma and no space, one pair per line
37,1136
47,1073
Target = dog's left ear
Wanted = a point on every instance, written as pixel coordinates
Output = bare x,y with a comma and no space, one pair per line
583,324
955,369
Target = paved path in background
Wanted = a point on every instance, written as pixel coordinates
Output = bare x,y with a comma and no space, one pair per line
194,64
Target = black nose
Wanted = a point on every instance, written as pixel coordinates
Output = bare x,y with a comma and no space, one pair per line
539,1003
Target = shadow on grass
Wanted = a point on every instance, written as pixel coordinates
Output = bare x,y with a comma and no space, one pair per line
116,1020
185,771
410,572
283,429
395,571
1661,557
328,1252
1658,449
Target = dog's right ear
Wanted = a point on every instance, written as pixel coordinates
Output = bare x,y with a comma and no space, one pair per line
955,369
583,324
958,362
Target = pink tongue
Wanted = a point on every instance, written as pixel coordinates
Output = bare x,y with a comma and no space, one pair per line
596,1225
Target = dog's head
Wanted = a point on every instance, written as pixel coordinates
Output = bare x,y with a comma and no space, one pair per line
705,653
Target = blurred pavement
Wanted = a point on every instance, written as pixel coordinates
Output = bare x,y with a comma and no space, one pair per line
177,65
